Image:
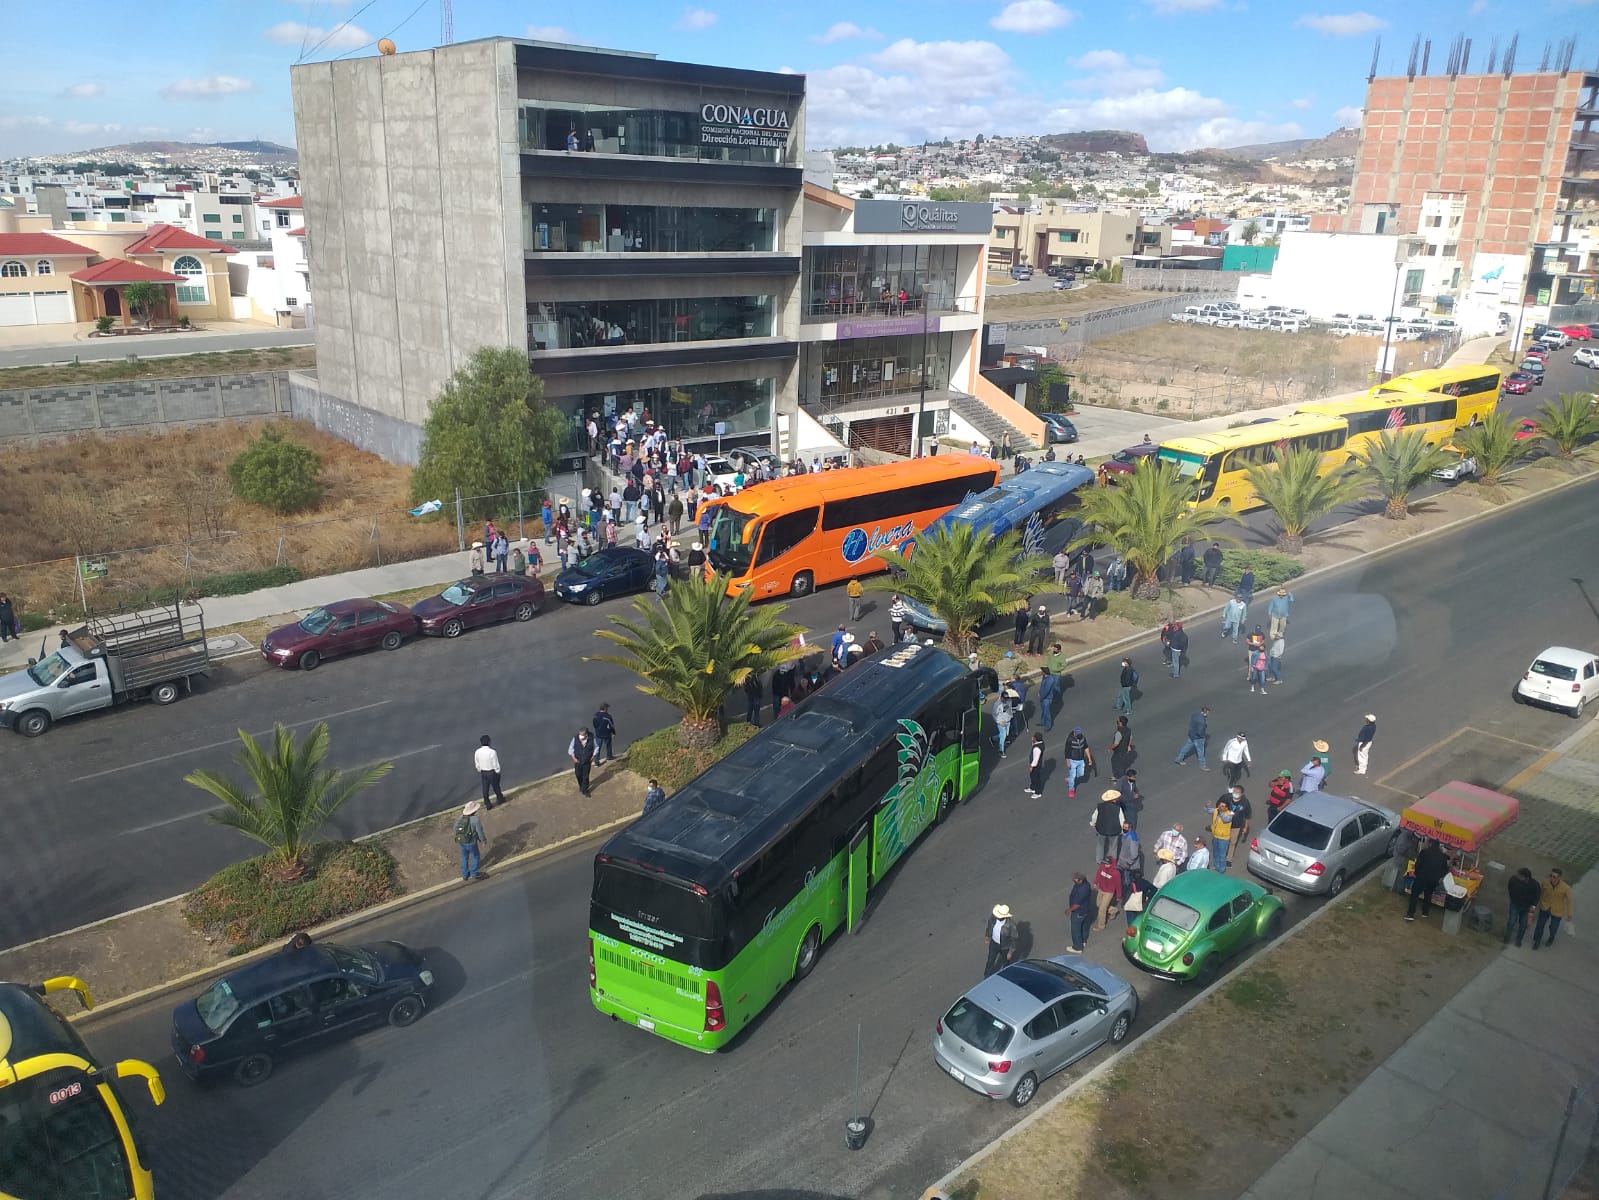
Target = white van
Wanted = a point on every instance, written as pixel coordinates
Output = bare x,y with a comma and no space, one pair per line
1284,324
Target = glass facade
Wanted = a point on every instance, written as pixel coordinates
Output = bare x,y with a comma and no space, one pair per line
834,373
864,280
563,324
659,132
688,412
649,229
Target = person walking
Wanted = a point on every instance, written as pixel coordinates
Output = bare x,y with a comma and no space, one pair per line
1125,683
754,696
1554,906
1165,641
999,935
1002,717
1107,891
1079,908
1525,897
8,619
897,612
487,763
581,752
1364,737
1278,611
1235,760
1274,659
472,838
1198,857
1177,643
1212,564
1257,669
1246,585
1048,698
855,592
604,735
1107,820
1221,831
1129,858
1233,616
1198,735
1243,812
1038,630
1175,844
674,510
1432,864
1035,767
1121,748
1132,798
1079,758
654,797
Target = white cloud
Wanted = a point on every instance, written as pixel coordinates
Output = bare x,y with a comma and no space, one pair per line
209,88
1349,116
1170,7
971,67
1301,102
695,19
844,31
1113,72
555,33
1174,119
1343,24
340,37
1032,16
25,122
912,91
85,128
82,91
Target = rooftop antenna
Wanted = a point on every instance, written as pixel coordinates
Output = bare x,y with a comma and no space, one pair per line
1415,51
1465,58
446,22
1376,49
1509,64
1426,55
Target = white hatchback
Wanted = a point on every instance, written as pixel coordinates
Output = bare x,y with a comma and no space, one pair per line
1585,356
1561,677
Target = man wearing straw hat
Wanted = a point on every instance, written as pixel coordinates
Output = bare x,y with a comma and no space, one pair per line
471,837
999,932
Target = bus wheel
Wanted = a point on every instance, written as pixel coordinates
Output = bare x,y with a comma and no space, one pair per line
802,585
810,949
946,801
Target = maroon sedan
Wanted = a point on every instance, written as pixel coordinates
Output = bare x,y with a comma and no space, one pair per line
342,627
1516,384
480,600
1125,462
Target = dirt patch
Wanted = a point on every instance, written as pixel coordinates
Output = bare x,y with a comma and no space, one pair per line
223,362
1041,306
1280,1043
144,949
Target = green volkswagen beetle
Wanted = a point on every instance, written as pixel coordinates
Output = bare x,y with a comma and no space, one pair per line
1197,921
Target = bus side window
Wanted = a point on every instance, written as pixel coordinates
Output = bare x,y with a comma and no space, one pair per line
782,534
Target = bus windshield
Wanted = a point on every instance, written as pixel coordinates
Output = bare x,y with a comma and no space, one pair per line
732,540
68,1148
1188,465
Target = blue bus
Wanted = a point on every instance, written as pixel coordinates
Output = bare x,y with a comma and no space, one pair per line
1042,502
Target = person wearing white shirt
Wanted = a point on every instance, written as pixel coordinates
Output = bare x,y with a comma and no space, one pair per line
487,763
1235,758
1199,858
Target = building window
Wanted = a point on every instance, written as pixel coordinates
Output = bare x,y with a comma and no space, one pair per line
282,219
834,373
1451,249
563,325
238,218
193,289
661,133
291,301
1413,280
688,412
214,234
649,229
1069,235
843,281
118,216
1454,280
212,219
13,270
238,235
44,267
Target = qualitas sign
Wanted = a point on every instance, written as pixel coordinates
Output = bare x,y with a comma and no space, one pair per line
743,125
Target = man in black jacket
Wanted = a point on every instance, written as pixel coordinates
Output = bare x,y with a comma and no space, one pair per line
1108,820
1432,864
1177,640
1212,564
1525,892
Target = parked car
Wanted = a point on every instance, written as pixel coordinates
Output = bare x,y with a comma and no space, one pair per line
1061,285
1229,320
1527,429
1517,383
1058,428
1026,1022
1560,677
1541,353
1577,333
1533,367
250,1019
1556,339
1585,356
1125,462
480,600
1462,466
1198,921
613,571
720,471
1254,321
342,627
1319,842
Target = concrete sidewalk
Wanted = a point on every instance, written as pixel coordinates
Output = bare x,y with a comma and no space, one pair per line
1471,1105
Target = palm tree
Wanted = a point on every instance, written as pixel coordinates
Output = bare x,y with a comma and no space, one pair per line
1145,519
1397,463
1249,233
1297,492
964,576
1493,444
695,646
291,795
1568,422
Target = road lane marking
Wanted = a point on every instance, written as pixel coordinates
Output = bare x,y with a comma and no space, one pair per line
146,762
1378,684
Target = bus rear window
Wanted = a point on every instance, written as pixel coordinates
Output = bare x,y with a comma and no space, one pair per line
655,912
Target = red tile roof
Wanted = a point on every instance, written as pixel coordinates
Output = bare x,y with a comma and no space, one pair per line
299,232
39,243
285,202
118,270
164,238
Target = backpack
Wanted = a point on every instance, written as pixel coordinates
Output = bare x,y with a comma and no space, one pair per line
465,835
1135,676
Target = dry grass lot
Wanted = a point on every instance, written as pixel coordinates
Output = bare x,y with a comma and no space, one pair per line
228,362
1043,305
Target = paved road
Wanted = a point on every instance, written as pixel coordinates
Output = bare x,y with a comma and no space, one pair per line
152,346
514,1087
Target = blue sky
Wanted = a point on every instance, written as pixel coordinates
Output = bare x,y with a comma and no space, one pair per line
1185,73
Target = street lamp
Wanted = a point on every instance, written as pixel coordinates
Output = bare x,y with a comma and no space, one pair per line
1385,367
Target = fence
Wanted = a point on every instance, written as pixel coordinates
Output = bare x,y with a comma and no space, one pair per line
1107,322
28,414
1549,1166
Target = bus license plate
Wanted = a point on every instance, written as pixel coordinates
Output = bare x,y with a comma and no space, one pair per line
646,1024
955,1075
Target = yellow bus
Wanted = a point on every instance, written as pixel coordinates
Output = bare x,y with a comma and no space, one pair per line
1474,387
1366,417
1220,461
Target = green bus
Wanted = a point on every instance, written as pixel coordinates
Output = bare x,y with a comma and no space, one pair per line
703,910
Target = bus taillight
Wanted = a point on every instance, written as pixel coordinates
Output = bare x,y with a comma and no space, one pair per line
715,1015
592,979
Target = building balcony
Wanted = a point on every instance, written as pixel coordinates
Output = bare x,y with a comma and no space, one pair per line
655,355
864,312
862,404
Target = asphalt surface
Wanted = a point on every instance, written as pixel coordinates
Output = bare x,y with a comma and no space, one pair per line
139,833
514,1087
155,345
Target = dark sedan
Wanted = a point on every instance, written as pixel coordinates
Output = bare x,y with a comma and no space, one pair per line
481,600
342,627
1125,462
614,571
295,1000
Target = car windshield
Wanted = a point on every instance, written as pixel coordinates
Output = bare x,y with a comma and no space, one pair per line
1174,912
316,621
732,539
1289,826
48,671
978,1027
216,1005
594,564
456,593
352,961
1554,670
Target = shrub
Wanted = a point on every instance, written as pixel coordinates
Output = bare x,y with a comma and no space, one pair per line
103,324
276,473
240,905
663,756
239,582
1271,569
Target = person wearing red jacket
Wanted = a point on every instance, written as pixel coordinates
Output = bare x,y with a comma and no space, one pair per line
1107,890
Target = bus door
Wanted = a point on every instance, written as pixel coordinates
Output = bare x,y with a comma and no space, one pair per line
971,749
860,855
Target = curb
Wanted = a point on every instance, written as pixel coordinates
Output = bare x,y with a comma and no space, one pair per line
937,1190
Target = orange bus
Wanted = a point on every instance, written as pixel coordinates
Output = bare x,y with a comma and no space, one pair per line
792,535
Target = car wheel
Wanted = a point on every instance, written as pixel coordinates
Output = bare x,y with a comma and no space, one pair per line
309,660
803,583
32,724
1026,1089
1208,970
594,597
809,951
453,628
525,611
165,693
1335,884
1274,926
1118,1031
392,640
946,802
252,1069
405,1011
1576,709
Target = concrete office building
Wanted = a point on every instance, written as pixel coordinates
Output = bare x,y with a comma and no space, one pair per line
634,223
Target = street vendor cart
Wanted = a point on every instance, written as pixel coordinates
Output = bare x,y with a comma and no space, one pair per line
1462,817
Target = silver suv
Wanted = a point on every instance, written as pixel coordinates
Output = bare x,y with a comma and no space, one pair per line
1319,841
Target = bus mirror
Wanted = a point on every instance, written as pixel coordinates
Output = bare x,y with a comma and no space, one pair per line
69,983
130,1068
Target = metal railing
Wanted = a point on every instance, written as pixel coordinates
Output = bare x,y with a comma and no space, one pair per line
859,309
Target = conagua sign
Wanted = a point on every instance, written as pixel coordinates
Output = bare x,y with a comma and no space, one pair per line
742,125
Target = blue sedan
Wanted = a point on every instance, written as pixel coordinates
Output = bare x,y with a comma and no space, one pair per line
614,571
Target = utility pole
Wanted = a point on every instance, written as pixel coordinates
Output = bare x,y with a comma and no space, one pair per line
921,401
